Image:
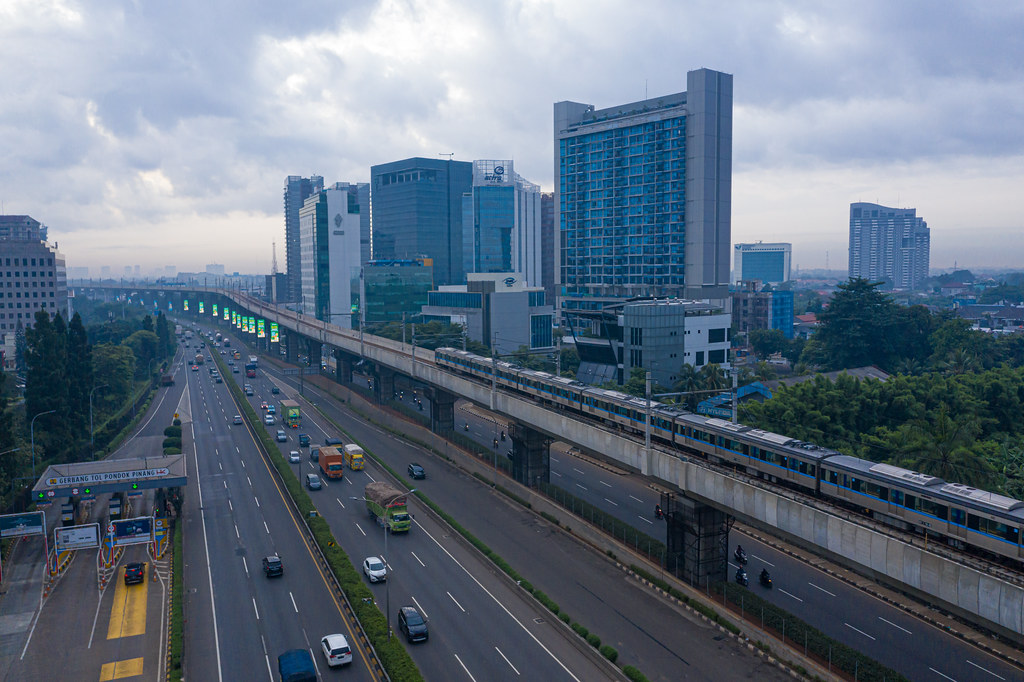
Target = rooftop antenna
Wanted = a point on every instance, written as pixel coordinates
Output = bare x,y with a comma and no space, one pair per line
273,250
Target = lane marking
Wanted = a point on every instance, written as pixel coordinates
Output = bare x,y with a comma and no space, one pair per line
340,502
245,565
236,532
418,559
120,669
611,502
988,671
897,626
579,471
555,473
763,560
230,506
257,500
555,460
506,660
823,590
637,499
609,485
422,610
469,674
128,611
645,520
294,605
255,609
791,595
938,673
861,632
456,601
581,486
267,527
361,530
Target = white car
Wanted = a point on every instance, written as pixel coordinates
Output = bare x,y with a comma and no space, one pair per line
269,419
336,650
375,569
293,457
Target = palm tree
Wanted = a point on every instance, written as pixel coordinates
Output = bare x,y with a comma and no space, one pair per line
909,367
942,448
688,381
765,372
712,377
959,362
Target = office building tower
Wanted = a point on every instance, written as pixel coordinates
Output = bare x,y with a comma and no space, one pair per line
501,222
889,245
416,209
296,190
547,241
768,263
329,241
395,290
33,277
643,196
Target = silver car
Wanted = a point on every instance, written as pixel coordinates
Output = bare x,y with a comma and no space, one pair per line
375,569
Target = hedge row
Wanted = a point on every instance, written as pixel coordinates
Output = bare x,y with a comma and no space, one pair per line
692,603
842,657
392,655
174,670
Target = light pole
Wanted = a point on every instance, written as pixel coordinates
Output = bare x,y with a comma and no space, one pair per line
384,526
92,440
32,434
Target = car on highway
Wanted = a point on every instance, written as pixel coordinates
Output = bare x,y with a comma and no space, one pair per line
412,624
134,573
294,457
248,389
416,471
263,405
282,437
314,453
218,379
272,566
237,419
303,440
336,650
195,368
275,390
313,482
231,363
268,419
375,569
271,408
234,370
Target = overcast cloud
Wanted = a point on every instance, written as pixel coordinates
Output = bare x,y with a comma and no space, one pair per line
161,133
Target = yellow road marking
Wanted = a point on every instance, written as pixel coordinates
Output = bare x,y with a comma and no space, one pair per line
128,612
119,669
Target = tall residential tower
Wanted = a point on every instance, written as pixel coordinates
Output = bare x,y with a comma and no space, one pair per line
889,244
296,190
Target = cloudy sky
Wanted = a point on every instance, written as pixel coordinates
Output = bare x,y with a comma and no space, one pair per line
160,133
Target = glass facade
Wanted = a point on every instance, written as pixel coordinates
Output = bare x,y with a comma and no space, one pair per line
889,244
540,331
395,287
491,218
782,312
456,299
767,266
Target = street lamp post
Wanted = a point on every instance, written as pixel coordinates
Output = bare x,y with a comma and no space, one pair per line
92,440
387,586
32,434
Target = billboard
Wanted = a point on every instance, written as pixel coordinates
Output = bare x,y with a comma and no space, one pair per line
132,531
261,329
252,325
16,525
226,314
186,305
215,310
274,337
77,537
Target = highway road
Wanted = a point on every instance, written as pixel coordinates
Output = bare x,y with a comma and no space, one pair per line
888,634
664,642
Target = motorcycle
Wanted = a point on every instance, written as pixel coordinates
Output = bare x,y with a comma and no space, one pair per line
766,579
741,577
741,556
503,435
658,513
466,427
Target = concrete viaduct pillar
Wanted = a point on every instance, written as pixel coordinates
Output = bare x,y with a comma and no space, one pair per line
315,354
383,384
531,456
697,540
291,347
343,365
442,411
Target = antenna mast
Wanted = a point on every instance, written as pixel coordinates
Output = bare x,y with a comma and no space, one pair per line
273,250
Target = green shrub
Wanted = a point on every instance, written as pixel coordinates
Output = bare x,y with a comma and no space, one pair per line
177,422
172,443
609,652
594,641
565,617
550,517
580,630
172,451
173,432
634,675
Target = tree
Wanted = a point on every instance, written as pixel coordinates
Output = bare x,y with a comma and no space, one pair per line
79,375
941,447
955,334
116,364
765,372
143,345
712,377
856,328
46,360
766,342
166,341
959,362
147,323
688,382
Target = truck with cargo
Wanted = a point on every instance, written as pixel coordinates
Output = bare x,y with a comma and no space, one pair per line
387,504
290,412
177,330
199,359
354,456
253,360
167,380
332,462
250,370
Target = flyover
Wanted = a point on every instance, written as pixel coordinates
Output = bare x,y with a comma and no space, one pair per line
712,494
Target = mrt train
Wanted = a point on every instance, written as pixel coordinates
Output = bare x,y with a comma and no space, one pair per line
963,516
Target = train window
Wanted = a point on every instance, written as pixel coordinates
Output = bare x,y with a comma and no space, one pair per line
874,490
995,528
934,508
783,461
957,516
833,477
910,501
896,497
855,485
794,464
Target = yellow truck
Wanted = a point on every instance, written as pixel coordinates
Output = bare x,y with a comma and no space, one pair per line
354,457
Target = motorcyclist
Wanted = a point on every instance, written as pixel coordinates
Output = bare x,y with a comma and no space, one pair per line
466,427
503,435
658,513
741,576
765,576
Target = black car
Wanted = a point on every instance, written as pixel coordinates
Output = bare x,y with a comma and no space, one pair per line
412,624
416,471
134,573
275,390
272,566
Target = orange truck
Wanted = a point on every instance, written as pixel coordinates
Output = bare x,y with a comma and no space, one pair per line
332,462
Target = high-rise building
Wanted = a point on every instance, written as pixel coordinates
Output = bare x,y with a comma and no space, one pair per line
889,244
394,290
547,249
769,263
33,277
416,208
330,244
501,222
643,196
296,190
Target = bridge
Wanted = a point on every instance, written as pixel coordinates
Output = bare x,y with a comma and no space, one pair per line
710,497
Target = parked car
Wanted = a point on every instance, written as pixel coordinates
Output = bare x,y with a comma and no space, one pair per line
134,573
416,471
293,457
282,437
313,482
272,566
237,419
336,650
412,624
375,569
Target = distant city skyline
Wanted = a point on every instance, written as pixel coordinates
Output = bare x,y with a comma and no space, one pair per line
132,158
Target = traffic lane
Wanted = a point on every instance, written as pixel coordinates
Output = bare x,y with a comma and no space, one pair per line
651,635
298,602
474,614
889,635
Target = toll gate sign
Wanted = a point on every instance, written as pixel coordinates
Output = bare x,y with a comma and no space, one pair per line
77,537
16,525
133,531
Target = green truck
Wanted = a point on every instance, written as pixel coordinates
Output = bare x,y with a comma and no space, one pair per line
291,413
387,505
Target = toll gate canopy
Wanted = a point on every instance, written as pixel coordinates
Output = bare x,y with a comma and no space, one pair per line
85,479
